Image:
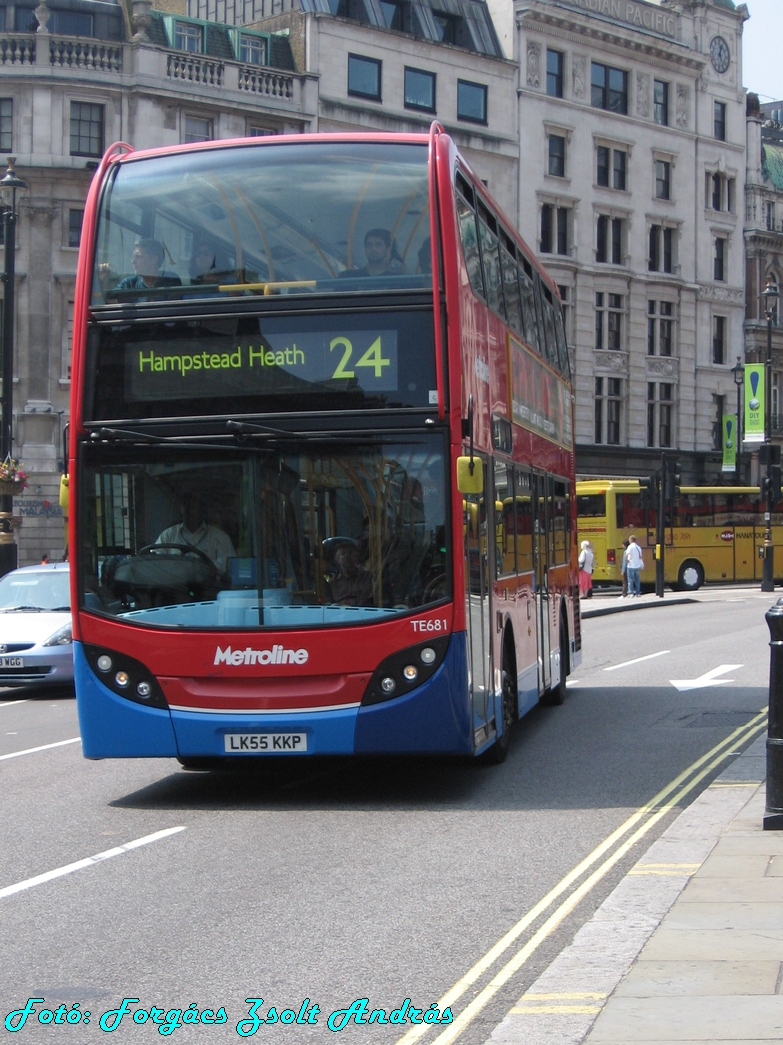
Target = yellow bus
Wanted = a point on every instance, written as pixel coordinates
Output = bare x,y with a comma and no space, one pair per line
714,532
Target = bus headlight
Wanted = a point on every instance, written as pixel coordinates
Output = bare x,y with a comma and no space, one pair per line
125,676
404,670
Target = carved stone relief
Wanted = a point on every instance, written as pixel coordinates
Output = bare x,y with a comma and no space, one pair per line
612,363
663,366
682,113
579,74
642,95
533,64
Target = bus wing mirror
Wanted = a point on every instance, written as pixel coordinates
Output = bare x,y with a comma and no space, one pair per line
470,475
64,494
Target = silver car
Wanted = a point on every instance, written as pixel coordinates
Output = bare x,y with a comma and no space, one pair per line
36,646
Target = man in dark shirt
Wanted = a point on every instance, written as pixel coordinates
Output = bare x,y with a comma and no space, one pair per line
380,254
147,262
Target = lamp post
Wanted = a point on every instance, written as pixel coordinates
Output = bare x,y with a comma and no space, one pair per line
738,373
770,296
9,184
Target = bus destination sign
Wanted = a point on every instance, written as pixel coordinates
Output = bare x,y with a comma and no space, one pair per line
275,363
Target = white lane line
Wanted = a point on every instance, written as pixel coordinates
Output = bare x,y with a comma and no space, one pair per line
58,872
628,663
43,747
10,703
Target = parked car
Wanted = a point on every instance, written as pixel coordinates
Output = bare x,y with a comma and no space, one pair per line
36,647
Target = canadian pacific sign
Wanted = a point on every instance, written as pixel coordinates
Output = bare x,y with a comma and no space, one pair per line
640,16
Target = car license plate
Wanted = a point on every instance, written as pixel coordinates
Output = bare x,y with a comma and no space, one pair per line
267,743
11,662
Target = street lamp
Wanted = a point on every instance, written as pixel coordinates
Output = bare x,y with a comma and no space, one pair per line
738,373
9,184
770,296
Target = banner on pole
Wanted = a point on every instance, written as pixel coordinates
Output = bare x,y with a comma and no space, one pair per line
755,399
730,443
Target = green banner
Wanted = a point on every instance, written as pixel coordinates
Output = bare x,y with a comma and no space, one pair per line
755,398
730,436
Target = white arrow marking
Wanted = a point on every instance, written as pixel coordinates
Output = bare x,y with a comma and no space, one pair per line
707,679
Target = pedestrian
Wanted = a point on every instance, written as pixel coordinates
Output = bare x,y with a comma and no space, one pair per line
634,565
624,569
586,563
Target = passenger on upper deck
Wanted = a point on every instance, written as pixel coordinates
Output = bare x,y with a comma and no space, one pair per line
382,257
147,262
203,264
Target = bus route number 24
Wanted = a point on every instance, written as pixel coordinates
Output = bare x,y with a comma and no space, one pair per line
371,358
429,625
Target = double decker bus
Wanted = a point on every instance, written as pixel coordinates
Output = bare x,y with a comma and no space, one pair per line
321,464
712,533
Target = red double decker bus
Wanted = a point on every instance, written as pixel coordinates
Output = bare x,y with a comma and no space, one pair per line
321,456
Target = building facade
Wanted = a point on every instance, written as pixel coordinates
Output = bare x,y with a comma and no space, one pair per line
631,175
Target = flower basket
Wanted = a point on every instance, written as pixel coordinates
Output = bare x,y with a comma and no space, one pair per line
11,489
12,479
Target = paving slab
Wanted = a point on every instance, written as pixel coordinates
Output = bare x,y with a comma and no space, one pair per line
678,977
714,1017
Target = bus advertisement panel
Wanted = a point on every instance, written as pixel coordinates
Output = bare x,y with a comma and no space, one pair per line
282,350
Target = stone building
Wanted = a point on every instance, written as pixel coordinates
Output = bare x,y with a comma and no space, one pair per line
631,187
764,244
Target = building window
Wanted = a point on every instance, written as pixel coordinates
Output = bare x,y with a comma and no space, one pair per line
565,299
770,212
555,60
719,259
557,155
661,102
197,129
660,328
719,192
554,229
608,410
260,132
719,121
75,218
252,49
419,90
609,321
663,180
188,37
661,250
86,129
71,23
660,413
611,167
609,240
364,77
719,340
6,123
609,88
448,27
471,102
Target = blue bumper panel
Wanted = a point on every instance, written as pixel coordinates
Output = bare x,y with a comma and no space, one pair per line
112,727
435,718
328,732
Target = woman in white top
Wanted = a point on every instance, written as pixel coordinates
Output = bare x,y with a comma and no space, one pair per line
586,563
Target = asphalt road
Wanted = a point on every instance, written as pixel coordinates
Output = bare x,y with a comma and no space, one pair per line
335,881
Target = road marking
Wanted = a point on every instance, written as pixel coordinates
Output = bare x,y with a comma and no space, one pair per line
10,703
89,861
43,747
707,679
658,807
628,663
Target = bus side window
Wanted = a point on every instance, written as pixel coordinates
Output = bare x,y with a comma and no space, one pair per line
525,273
470,247
523,501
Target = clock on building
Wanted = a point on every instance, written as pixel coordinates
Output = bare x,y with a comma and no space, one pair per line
719,54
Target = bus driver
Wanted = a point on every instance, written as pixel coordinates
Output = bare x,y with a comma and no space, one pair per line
196,532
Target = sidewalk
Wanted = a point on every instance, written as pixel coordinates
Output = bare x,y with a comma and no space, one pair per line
609,600
688,947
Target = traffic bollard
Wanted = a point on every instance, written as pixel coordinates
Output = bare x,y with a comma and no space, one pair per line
773,814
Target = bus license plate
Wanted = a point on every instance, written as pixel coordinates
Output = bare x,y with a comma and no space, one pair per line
270,743
11,662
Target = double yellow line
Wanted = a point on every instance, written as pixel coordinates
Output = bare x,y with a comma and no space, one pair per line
617,848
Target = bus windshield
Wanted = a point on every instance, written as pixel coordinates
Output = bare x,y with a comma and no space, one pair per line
312,535
286,218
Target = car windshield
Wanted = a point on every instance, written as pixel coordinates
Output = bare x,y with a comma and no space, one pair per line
288,218
43,590
320,534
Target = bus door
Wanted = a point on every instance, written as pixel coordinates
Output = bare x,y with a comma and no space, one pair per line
747,564
479,535
542,501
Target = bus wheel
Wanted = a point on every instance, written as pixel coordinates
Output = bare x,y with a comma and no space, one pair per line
691,575
510,705
557,694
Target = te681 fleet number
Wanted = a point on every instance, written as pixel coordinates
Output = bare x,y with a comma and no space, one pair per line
429,625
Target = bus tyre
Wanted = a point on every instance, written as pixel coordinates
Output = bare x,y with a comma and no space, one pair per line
691,576
557,694
510,704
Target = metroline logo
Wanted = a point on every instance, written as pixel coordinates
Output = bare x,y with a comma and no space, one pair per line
275,655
